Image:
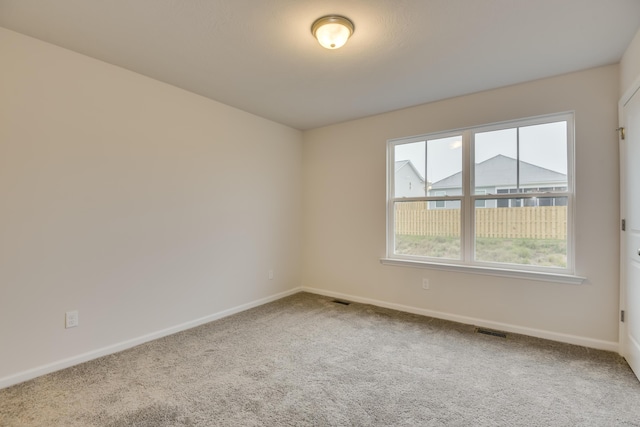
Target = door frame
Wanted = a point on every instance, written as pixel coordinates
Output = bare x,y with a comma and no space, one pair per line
626,97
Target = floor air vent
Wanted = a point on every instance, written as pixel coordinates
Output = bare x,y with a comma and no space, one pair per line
490,332
337,301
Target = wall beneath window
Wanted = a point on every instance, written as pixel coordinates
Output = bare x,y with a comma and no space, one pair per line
344,213
141,205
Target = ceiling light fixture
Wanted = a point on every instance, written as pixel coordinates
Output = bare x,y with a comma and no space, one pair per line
332,31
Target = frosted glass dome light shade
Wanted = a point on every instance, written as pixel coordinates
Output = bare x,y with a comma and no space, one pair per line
332,31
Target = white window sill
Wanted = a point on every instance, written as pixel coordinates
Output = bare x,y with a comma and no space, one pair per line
488,271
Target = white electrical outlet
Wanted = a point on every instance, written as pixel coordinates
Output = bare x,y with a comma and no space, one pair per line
270,274
71,319
425,283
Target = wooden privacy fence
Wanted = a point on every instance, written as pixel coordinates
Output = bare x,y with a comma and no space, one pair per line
541,222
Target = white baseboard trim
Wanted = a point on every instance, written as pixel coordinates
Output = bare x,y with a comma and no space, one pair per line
104,351
552,336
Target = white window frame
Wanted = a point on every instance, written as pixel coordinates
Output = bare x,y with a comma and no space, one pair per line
467,263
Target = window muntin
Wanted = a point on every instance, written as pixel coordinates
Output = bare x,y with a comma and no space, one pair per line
518,176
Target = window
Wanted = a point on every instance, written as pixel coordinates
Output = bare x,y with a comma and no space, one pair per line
497,196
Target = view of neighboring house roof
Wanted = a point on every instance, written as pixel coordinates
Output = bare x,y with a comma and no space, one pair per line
402,163
501,170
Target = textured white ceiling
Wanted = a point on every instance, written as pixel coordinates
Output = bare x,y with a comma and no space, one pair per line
259,55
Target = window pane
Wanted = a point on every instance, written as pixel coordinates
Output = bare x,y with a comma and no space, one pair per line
535,234
543,155
496,154
409,170
444,166
422,231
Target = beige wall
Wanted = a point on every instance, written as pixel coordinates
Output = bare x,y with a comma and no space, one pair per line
344,214
630,64
141,205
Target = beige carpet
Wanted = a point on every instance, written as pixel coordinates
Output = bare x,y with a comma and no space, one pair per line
307,361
